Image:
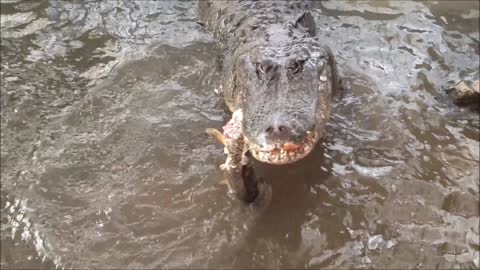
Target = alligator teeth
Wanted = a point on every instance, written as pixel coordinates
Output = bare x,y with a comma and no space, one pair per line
268,147
279,153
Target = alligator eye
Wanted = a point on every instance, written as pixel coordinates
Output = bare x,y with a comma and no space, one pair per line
263,67
297,66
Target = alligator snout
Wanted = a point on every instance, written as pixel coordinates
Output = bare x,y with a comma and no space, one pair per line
283,130
282,140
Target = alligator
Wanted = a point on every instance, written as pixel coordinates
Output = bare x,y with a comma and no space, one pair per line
278,80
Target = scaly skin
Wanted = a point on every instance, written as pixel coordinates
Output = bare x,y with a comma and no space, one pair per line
277,73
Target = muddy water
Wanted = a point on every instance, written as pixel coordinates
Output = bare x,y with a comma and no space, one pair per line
104,163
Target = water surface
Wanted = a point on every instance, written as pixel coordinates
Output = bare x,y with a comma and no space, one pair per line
105,164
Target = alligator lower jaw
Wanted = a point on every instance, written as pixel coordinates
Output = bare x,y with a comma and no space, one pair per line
284,154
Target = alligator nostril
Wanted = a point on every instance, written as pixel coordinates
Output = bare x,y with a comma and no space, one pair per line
277,130
282,129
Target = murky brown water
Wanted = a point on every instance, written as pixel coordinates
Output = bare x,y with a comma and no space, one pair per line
104,163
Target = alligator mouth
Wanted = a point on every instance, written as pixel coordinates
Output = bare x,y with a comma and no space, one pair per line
284,153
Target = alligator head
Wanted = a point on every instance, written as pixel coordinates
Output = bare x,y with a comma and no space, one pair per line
286,92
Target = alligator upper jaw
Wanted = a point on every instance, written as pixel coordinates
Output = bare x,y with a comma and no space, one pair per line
284,153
